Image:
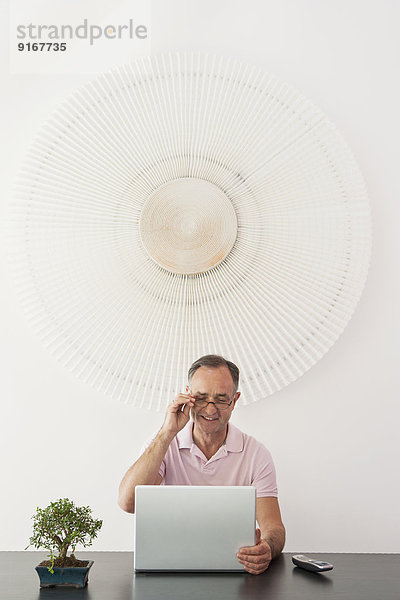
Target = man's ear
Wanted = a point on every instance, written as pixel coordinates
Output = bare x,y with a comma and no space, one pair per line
237,395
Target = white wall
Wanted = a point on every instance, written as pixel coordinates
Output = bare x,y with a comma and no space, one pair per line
334,432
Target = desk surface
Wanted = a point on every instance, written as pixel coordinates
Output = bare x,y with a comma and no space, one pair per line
354,577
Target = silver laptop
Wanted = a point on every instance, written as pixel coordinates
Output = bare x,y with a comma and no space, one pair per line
192,528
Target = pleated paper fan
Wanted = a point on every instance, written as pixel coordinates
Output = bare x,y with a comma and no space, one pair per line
184,205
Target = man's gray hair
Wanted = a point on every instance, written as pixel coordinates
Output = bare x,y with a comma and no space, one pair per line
214,361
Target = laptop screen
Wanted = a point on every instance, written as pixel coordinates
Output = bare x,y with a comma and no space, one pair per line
193,528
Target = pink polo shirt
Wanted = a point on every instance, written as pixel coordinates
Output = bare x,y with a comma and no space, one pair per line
242,460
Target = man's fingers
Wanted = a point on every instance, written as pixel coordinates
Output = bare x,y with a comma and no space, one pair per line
253,560
255,568
258,549
255,571
261,555
249,549
255,564
182,400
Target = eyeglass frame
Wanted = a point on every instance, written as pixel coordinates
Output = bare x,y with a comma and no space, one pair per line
226,405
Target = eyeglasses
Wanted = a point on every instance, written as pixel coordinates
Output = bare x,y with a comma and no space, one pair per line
219,404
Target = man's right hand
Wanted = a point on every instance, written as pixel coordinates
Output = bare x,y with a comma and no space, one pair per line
178,414
146,470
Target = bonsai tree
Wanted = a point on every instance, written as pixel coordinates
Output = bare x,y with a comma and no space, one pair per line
61,525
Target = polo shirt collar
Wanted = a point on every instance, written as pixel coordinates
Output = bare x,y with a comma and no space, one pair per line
234,439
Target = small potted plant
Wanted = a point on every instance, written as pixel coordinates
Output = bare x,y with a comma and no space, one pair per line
56,528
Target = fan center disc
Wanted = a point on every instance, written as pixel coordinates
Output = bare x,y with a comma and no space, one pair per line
188,226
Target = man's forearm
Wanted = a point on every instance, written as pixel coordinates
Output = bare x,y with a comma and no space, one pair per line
143,472
275,538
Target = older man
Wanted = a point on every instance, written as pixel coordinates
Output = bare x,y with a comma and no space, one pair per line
208,450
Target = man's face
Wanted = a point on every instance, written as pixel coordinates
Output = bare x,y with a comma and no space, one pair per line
212,384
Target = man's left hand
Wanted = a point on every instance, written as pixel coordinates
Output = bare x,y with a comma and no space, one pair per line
256,559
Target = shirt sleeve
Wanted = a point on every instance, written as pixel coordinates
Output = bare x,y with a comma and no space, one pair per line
264,478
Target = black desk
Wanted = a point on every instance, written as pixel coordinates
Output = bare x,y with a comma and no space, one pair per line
355,577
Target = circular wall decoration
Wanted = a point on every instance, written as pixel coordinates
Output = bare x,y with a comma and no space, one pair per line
183,205
188,226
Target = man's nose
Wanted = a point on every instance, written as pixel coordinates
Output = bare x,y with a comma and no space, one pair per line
211,408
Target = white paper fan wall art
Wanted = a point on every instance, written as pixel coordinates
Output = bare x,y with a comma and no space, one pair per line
184,205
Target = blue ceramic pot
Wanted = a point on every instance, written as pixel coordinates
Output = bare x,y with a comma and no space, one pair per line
66,576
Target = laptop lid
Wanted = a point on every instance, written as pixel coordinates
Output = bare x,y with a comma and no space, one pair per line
192,528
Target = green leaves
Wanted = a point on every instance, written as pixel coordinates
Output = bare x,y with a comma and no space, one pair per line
61,525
